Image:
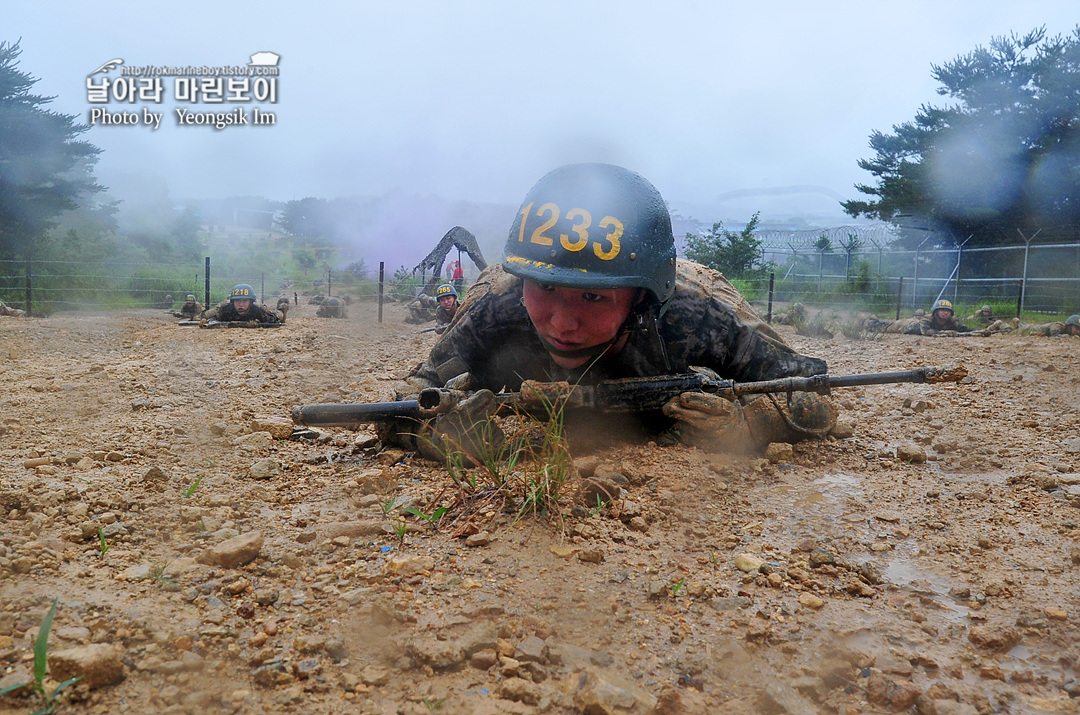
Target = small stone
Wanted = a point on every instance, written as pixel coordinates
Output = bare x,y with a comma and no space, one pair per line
748,563
843,429
995,640
277,427
911,453
98,665
591,556
234,552
265,469
1055,613
564,551
520,690
483,659
481,539
810,600
780,453
254,442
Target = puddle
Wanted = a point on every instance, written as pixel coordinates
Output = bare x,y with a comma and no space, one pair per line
902,571
819,509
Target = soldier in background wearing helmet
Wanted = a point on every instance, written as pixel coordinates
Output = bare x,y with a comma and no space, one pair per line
985,320
332,308
1071,326
796,315
190,308
447,296
940,320
590,290
242,306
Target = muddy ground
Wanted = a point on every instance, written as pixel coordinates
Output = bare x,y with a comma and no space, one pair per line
247,574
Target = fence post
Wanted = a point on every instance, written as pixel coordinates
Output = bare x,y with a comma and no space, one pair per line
820,256
29,299
262,285
328,293
1020,300
899,296
206,274
772,281
380,289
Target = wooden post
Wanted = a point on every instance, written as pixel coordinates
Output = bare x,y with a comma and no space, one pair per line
206,273
899,296
29,299
381,265
772,282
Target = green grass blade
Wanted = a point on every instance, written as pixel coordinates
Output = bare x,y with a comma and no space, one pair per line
41,645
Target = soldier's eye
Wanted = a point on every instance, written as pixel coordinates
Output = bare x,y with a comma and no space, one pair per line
546,287
592,297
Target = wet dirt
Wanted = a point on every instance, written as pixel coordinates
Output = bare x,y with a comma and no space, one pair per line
928,562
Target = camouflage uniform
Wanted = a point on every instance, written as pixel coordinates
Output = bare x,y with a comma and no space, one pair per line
986,321
7,310
796,315
332,308
706,324
442,315
224,312
929,326
1046,330
422,309
189,310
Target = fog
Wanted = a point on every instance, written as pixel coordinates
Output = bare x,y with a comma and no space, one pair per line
727,108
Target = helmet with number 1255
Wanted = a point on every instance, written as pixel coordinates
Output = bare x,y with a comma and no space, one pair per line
594,226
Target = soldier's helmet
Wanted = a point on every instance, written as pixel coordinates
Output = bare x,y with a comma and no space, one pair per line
445,289
594,226
798,308
242,291
986,309
333,303
189,298
920,313
1073,320
168,298
942,304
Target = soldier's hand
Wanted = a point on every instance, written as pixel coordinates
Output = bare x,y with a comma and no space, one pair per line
466,432
708,422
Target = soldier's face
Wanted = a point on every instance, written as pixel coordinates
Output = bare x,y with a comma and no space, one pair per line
941,315
575,318
448,302
1072,330
242,305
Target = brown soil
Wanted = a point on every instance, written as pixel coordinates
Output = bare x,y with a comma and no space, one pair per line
886,583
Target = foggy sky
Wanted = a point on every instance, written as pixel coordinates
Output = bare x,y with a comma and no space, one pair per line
723,106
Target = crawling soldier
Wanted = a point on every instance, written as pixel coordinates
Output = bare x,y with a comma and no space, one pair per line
242,308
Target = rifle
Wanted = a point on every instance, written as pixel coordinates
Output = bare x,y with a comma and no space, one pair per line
232,324
632,394
439,329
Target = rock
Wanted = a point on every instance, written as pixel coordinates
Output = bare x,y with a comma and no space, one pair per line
98,665
810,600
604,693
481,539
531,650
889,692
519,690
277,427
910,453
995,640
730,604
950,707
591,556
779,453
409,565
748,563
843,429
234,552
1072,446
265,469
254,442
483,659
1055,613
138,572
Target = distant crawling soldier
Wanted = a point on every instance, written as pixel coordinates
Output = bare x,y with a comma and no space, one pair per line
1071,326
447,296
873,325
283,306
332,308
7,310
984,318
941,320
422,309
242,309
190,308
796,315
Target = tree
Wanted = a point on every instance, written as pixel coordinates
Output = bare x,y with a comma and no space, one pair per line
1005,156
43,170
736,255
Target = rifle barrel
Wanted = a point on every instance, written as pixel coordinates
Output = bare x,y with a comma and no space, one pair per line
347,415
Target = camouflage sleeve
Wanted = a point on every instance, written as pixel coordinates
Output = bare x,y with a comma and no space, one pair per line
702,330
919,327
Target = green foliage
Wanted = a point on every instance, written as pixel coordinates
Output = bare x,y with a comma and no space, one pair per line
736,255
43,170
103,545
1006,155
41,662
194,486
823,244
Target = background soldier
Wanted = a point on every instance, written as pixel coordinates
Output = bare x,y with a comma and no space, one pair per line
1071,326
984,318
7,310
941,320
795,315
241,307
608,301
332,308
447,296
190,308
422,309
